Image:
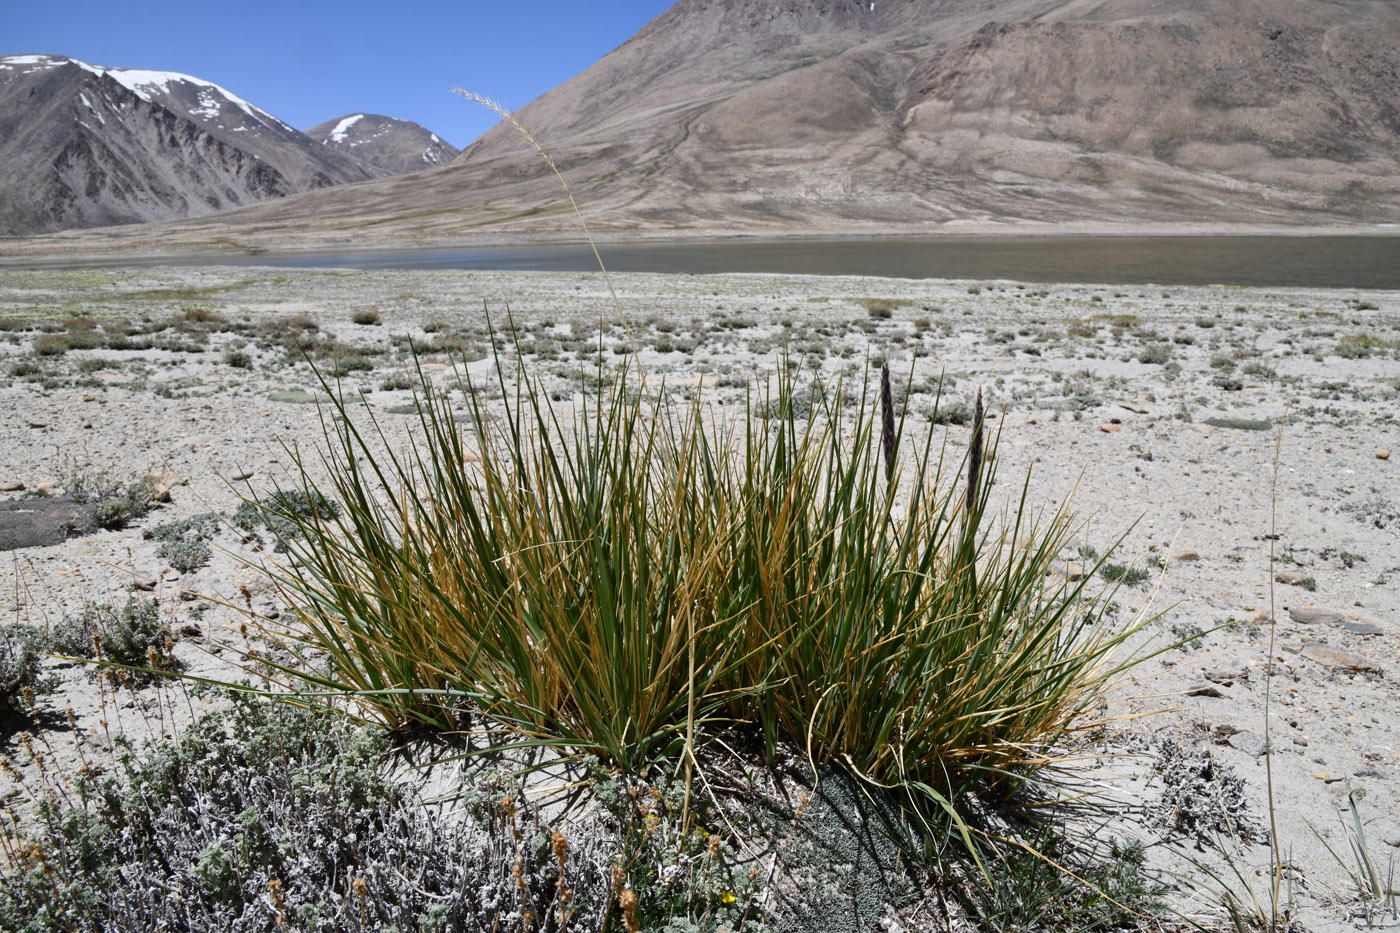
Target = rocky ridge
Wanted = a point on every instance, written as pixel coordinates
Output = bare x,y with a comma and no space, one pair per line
395,146
83,145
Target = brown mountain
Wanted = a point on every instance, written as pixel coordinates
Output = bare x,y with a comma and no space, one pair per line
394,146
807,115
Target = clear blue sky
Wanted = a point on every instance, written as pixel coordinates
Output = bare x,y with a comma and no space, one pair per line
307,62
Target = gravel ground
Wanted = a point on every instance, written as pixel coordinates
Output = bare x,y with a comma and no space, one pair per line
1166,413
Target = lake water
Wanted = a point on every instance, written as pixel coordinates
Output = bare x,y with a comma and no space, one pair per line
1306,261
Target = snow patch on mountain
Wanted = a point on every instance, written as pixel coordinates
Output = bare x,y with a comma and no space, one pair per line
343,127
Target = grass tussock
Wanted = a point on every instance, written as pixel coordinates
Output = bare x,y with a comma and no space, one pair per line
613,579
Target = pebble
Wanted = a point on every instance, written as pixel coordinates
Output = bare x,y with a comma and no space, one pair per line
1110,428
1188,556
1367,773
1393,841
1309,615
1300,740
1067,570
1382,455
1206,690
1320,775
11,487
1290,578
1251,743
1361,628
1336,657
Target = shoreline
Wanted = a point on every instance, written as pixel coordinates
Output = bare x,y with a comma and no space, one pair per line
21,251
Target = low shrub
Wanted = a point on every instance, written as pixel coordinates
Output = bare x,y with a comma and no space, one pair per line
185,544
132,636
21,647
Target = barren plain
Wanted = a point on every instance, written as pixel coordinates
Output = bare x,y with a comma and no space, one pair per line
1242,442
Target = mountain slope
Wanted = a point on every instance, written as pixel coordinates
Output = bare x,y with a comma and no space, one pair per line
82,145
834,115
395,146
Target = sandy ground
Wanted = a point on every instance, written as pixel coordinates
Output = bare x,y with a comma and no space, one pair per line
1102,393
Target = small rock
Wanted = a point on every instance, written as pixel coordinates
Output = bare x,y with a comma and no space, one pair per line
1206,690
1290,578
89,398
1071,572
1361,615
1393,841
11,487
1361,628
242,475
1382,455
46,484
1320,775
190,630
1188,556
1136,407
1251,743
1110,428
38,424
1366,773
1300,740
1336,657
1308,615
160,493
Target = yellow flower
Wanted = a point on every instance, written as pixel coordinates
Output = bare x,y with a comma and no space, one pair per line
727,897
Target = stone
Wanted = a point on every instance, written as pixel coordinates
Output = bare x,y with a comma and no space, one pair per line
1382,455
1207,690
1251,743
1361,628
1136,407
44,522
1300,740
1185,556
160,493
1320,775
1068,570
1310,615
46,484
1393,841
11,487
1291,578
1338,658
1361,615
38,424
1110,428
89,398
190,630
